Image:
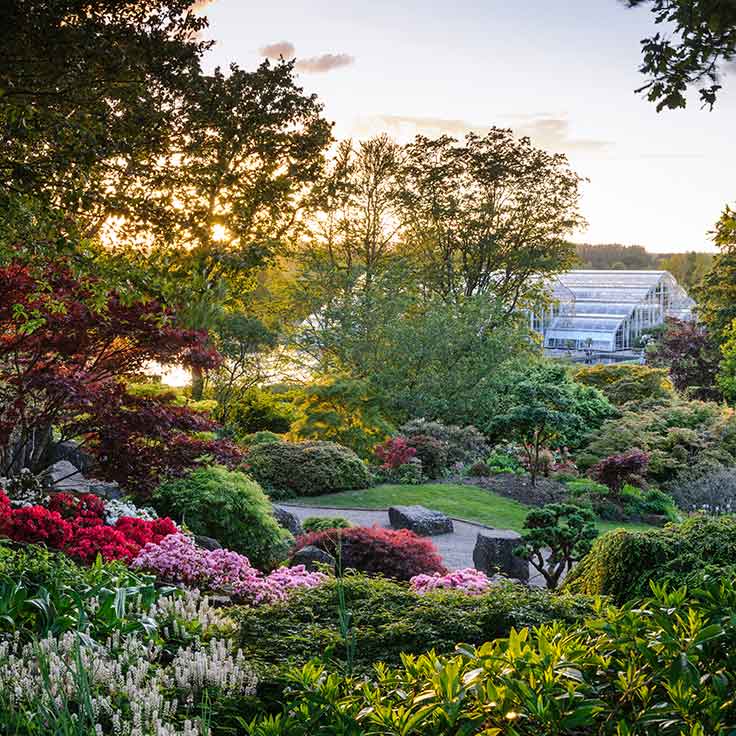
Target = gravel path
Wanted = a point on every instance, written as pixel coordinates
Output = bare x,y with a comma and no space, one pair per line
456,548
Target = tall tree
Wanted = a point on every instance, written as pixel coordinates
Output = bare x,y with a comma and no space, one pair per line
88,94
702,42
488,216
717,293
225,196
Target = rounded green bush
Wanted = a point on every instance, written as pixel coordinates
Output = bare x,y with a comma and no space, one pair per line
321,523
306,468
621,563
228,506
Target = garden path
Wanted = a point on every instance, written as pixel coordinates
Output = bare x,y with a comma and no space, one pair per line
456,549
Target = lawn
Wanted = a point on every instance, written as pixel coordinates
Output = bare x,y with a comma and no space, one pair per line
462,502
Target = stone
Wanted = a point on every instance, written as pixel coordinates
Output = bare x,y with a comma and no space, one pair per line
206,542
109,490
310,557
288,520
71,451
494,552
420,520
63,476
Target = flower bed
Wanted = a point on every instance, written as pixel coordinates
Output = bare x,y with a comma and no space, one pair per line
177,559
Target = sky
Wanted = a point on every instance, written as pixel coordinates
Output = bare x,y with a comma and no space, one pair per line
561,71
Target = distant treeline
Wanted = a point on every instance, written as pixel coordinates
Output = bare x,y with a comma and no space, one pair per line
687,268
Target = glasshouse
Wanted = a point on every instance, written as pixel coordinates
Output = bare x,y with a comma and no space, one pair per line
606,311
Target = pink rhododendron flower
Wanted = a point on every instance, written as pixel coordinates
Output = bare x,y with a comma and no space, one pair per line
469,580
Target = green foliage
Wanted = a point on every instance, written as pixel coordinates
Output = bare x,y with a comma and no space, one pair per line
676,434
388,619
621,383
621,563
726,377
260,438
306,468
464,444
566,531
258,410
345,411
44,593
665,666
321,523
544,407
699,43
228,506
503,462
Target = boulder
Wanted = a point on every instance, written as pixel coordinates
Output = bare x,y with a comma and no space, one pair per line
420,520
63,476
71,451
494,552
288,520
206,542
309,556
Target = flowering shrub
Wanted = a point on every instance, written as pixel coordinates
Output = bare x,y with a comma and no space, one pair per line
468,580
86,509
398,554
116,508
75,524
37,525
615,470
177,559
394,452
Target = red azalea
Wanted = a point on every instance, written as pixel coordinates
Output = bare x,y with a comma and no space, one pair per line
38,525
142,531
72,507
112,544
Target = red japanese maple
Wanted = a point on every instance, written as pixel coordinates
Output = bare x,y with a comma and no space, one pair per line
63,360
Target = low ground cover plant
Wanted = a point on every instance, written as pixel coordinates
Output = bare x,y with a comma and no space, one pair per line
388,618
604,676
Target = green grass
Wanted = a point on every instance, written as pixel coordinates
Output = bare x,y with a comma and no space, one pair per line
462,502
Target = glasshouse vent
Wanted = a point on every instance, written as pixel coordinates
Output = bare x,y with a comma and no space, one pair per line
606,311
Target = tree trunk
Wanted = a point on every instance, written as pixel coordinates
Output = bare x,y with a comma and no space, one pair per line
197,383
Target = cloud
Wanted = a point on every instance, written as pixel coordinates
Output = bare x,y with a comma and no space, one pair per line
324,63
278,49
309,65
547,131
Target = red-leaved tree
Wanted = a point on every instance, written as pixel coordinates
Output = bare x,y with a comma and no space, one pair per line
64,356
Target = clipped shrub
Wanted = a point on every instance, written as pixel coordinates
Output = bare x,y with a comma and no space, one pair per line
464,444
621,563
322,523
398,554
228,506
388,619
306,468
432,453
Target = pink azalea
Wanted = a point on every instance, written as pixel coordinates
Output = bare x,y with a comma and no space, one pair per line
469,580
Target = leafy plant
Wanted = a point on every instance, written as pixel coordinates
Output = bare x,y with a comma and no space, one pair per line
229,506
555,537
710,492
464,444
432,453
322,523
306,468
621,563
398,554
616,470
